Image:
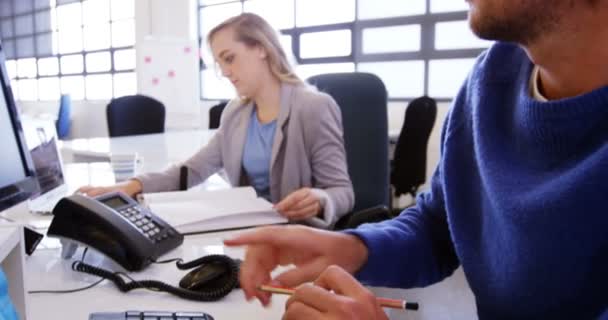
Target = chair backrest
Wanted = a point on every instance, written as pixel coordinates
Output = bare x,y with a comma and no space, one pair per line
408,170
215,114
362,98
64,116
133,115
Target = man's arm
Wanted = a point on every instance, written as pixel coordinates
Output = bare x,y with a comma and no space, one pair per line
415,248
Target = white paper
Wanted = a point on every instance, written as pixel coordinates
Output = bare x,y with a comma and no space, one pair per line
199,195
197,211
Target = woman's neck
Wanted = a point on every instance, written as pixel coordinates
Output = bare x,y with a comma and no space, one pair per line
268,100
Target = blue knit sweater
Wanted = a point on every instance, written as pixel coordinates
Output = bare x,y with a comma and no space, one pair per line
519,199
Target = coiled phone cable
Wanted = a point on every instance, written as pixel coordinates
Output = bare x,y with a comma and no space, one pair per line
213,292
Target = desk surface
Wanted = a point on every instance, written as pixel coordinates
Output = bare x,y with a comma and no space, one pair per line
9,238
156,150
47,271
450,299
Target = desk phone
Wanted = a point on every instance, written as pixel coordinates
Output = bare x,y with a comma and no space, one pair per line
115,225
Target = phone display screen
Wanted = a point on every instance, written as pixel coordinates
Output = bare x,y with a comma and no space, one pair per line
114,202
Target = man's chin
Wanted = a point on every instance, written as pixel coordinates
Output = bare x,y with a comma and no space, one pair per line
475,23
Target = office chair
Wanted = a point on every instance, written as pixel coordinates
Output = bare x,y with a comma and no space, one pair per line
64,116
408,167
362,98
215,114
132,115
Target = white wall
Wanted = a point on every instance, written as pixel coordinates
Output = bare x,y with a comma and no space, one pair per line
162,18
168,62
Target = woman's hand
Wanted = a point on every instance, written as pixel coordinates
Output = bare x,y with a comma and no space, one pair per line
349,299
299,205
130,187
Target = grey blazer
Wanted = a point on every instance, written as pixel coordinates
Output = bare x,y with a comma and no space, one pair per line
308,151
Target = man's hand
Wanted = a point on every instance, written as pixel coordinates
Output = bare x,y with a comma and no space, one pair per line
334,295
310,250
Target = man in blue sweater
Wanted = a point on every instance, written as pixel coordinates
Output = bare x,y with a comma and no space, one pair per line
519,198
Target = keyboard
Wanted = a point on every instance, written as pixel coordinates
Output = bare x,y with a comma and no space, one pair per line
149,315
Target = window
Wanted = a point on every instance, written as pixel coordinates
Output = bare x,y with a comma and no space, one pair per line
322,12
446,76
311,69
81,47
273,11
381,40
403,79
373,9
416,47
325,44
456,35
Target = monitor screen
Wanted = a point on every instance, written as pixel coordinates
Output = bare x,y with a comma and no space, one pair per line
41,138
12,167
17,175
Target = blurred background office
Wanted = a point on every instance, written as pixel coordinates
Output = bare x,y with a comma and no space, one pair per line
97,50
70,61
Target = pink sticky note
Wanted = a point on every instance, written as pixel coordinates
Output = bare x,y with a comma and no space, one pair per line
171,73
187,49
155,81
147,59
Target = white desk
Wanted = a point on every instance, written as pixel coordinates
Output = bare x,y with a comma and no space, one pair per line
157,150
47,271
450,299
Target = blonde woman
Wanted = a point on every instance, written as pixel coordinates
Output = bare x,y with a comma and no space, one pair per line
279,135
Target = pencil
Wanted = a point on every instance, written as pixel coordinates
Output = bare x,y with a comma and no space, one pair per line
384,302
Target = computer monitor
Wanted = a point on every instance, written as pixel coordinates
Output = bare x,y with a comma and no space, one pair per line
17,174
41,138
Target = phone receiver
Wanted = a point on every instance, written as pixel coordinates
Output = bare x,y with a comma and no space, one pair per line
212,274
214,278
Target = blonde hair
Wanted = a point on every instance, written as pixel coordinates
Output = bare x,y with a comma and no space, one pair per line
253,30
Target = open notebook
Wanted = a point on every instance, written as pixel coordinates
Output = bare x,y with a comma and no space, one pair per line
203,211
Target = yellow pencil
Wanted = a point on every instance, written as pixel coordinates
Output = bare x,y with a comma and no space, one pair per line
384,302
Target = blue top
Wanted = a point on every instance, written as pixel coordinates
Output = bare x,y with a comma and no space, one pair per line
519,199
257,153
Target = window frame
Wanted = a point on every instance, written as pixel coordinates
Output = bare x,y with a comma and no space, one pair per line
427,53
53,32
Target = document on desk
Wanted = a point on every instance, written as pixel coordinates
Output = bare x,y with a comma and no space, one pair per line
204,211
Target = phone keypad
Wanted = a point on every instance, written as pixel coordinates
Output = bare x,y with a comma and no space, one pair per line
150,315
145,224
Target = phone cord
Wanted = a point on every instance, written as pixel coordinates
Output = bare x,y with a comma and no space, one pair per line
210,293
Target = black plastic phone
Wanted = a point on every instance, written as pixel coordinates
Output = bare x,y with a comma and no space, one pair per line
115,225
